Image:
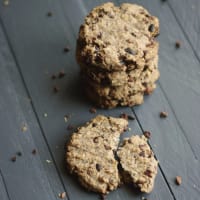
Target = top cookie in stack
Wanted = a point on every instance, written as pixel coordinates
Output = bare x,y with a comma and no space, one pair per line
118,54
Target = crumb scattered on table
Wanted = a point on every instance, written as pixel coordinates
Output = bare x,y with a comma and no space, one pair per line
147,134
178,180
163,114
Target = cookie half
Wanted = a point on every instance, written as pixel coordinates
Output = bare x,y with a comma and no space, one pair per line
138,163
90,153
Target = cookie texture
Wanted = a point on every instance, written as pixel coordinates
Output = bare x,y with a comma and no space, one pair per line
117,38
90,153
138,163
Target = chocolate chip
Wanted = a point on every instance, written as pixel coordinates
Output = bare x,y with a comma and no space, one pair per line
61,74
133,34
98,59
147,134
148,173
14,158
53,76
56,89
98,167
49,14
178,180
151,28
19,153
70,127
142,154
95,140
94,125
177,44
93,110
130,51
66,49
163,114
34,151
145,68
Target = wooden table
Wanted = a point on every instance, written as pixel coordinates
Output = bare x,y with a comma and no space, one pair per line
31,50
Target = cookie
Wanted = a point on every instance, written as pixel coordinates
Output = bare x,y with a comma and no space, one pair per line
116,38
109,102
118,78
138,163
90,153
124,91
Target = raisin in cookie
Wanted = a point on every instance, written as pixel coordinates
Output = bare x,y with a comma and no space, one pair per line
138,163
90,153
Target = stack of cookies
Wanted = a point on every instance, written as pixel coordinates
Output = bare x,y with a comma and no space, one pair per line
118,54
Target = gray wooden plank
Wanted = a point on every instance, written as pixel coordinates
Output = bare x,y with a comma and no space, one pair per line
44,39
30,177
3,193
187,14
175,139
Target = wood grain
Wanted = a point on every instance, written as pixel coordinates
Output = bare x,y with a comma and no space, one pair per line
187,15
30,177
3,193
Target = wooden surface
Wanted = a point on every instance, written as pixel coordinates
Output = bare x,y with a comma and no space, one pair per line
31,50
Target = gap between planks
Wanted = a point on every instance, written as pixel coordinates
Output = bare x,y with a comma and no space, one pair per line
33,109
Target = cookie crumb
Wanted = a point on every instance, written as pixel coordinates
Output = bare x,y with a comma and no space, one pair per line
61,74
147,134
129,129
49,14
93,110
45,115
19,153
178,180
56,89
14,158
34,151
48,161
66,49
177,44
24,128
62,195
163,114
6,2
